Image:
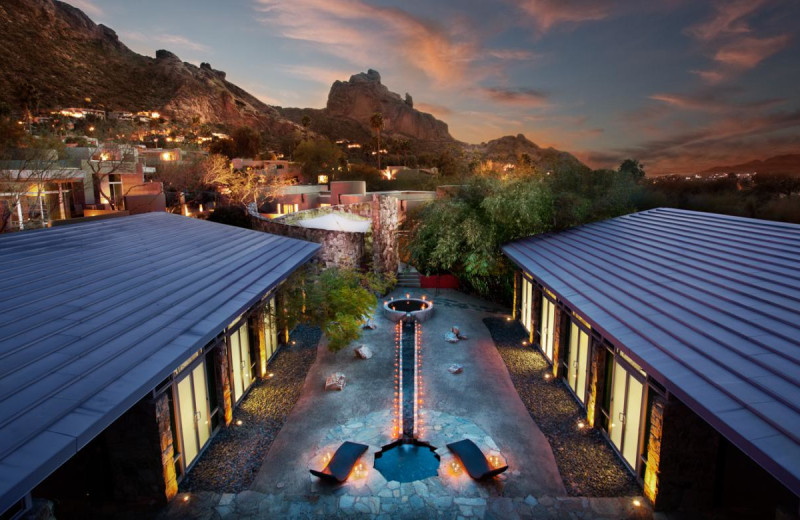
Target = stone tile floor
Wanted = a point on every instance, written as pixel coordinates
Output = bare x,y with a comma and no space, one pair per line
460,406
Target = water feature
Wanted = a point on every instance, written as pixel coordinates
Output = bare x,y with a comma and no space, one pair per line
408,458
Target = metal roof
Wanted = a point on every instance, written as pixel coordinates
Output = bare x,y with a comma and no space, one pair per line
708,304
95,315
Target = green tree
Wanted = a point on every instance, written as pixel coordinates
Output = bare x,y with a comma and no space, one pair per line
224,147
337,300
247,141
306,122
317,156
376,122
633,168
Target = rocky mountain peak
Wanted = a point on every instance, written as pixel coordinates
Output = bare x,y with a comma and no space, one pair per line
364,94
371,76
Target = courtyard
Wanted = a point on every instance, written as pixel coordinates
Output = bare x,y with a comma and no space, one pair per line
481,403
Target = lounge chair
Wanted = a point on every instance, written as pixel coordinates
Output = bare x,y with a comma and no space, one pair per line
473,459
342,462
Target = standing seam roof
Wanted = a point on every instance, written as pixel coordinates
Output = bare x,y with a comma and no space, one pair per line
708,304
95,315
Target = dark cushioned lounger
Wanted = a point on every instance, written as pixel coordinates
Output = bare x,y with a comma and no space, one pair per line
473,459
342,462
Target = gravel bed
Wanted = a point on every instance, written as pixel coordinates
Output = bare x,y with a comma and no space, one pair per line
235,454
588,464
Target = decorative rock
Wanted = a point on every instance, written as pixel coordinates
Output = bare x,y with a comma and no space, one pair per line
363,352
455,330
450,337
335,381
455,369
370,324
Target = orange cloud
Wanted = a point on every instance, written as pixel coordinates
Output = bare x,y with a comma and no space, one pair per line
726,138
437,110
515,96
363,33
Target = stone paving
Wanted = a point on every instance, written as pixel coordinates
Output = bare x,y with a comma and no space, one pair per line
285,489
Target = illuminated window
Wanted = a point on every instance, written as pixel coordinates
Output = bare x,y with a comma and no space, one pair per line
322,179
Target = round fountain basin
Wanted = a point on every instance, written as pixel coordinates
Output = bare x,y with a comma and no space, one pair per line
408,309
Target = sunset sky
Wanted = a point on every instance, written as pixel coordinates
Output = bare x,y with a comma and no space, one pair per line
679,84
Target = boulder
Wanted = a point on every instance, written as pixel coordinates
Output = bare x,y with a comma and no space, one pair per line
363,352
335,381
455,369
450,337
370,324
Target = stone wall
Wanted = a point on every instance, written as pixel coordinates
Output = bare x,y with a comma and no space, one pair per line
558,334
681,458
224,386
597,377
384,234
339,248
134,449
162,411
345,248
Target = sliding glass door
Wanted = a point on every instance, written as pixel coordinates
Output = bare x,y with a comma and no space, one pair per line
627,397
194,412
527,304
241,362
548,327
270,328
578,360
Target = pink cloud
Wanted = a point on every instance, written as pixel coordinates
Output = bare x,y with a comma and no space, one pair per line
549,13
713,101
712,77
731,41
746,53
728,19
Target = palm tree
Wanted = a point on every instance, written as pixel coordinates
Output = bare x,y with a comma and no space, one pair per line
306,122
376,122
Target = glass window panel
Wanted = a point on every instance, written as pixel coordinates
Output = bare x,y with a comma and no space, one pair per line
244,368
201,404
583,361
617,418
188,429
572,368
633,416
236,364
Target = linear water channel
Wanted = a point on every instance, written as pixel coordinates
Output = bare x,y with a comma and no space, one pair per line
408,362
